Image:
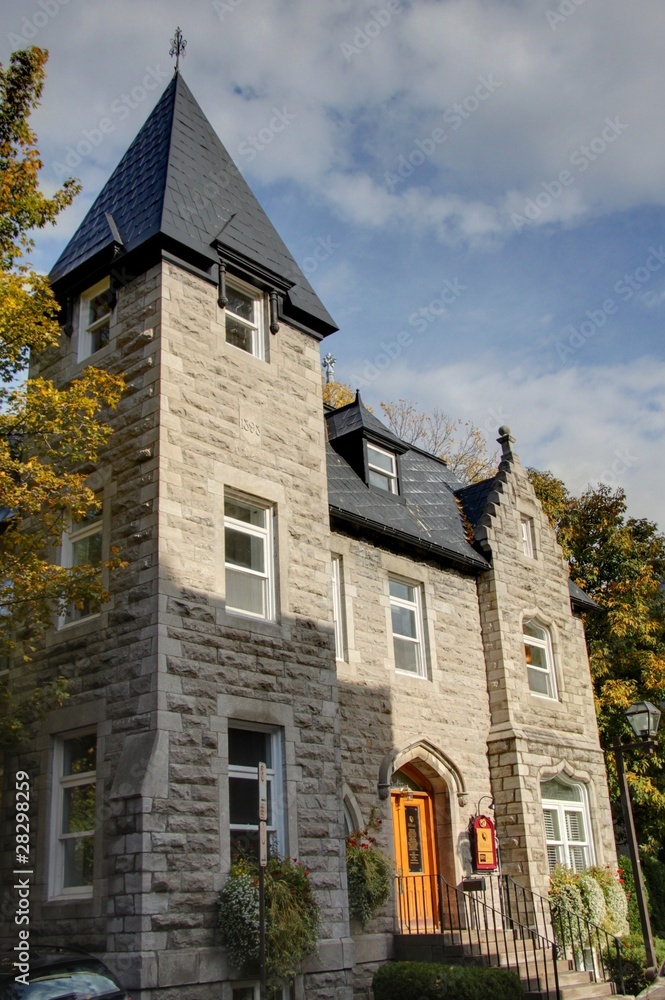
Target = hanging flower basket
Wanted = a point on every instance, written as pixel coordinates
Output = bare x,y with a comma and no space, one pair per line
368,873
292,916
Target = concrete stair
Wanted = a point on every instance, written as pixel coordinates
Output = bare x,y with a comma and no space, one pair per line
535,967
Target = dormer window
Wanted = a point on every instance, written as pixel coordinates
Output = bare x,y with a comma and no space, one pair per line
244,319
382,467
94,319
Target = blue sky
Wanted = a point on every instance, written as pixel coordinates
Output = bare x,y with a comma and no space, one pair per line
475,188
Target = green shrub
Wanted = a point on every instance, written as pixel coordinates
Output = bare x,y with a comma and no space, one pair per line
429,981
626,874
654,878
616,903
633,960
596,895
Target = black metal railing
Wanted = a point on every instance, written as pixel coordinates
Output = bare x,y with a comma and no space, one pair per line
587,946
477,931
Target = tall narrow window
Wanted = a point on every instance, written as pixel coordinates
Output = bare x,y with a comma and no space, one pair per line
382,468
248,557
567,828
528,537
247,748
82,546
407,626
95,319
539,660
75,765
244,319
338,608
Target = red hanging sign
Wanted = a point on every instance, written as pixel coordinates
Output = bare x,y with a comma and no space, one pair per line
485,858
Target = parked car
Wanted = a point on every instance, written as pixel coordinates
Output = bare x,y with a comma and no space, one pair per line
59,974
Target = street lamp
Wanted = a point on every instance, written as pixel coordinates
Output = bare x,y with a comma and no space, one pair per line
643,718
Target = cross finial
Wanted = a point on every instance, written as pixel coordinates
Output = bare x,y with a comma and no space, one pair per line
178,46
328,365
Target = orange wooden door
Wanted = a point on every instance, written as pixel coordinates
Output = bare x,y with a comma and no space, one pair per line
416,862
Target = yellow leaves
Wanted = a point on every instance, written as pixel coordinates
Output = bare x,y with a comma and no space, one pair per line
337,394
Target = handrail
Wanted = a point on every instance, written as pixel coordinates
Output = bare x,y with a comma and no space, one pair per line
428,904
573,934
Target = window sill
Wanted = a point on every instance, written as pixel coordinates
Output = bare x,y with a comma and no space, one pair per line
82,895
411,674
64,626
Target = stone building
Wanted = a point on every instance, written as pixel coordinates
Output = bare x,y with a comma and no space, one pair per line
301,587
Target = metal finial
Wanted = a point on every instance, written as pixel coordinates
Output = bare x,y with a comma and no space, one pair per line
178,46
328,365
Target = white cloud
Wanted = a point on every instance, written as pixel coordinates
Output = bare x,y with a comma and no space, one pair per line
602,423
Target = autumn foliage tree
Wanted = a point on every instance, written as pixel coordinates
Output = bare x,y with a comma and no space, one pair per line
50,436
620,562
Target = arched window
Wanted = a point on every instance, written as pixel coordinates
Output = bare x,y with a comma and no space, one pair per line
539,660
567,827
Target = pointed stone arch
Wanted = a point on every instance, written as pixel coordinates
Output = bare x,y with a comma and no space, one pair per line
448,794
431,756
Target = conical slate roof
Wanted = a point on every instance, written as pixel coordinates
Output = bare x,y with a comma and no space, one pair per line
177,182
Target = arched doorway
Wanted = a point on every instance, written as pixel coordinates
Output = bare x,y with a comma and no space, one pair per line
416,852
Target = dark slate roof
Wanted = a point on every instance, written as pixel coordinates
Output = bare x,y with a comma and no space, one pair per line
579,599
177,181
356,417
474,499
429,519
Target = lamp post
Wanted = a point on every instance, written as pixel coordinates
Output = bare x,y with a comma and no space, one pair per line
644,719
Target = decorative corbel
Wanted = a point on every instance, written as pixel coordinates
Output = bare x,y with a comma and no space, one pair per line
274,323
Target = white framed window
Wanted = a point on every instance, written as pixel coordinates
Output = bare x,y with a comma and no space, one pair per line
528,531
82,546
244,318
252,991
339,617
382,467
74,784
539,660
248,746
248,556
94,319
567,826
407,625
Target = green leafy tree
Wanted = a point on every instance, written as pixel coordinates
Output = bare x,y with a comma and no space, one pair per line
620,562
49,436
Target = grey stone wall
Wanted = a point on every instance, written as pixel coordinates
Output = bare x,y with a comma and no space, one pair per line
164,667
533,738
